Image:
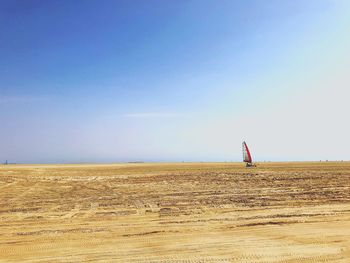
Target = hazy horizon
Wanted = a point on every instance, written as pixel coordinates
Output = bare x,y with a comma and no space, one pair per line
120,81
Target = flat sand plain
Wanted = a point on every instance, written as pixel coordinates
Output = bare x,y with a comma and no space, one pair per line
186,212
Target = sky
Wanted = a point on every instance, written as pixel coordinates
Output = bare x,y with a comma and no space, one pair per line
116,81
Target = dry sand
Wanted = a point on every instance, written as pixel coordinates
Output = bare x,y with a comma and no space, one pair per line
204,212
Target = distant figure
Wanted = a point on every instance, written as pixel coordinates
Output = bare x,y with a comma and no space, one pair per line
247,158
6,163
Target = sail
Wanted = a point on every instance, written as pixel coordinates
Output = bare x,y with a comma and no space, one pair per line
246,154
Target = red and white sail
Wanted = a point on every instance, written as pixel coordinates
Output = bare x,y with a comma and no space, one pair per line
246,153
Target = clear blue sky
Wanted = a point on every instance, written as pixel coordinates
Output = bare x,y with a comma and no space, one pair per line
105,81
